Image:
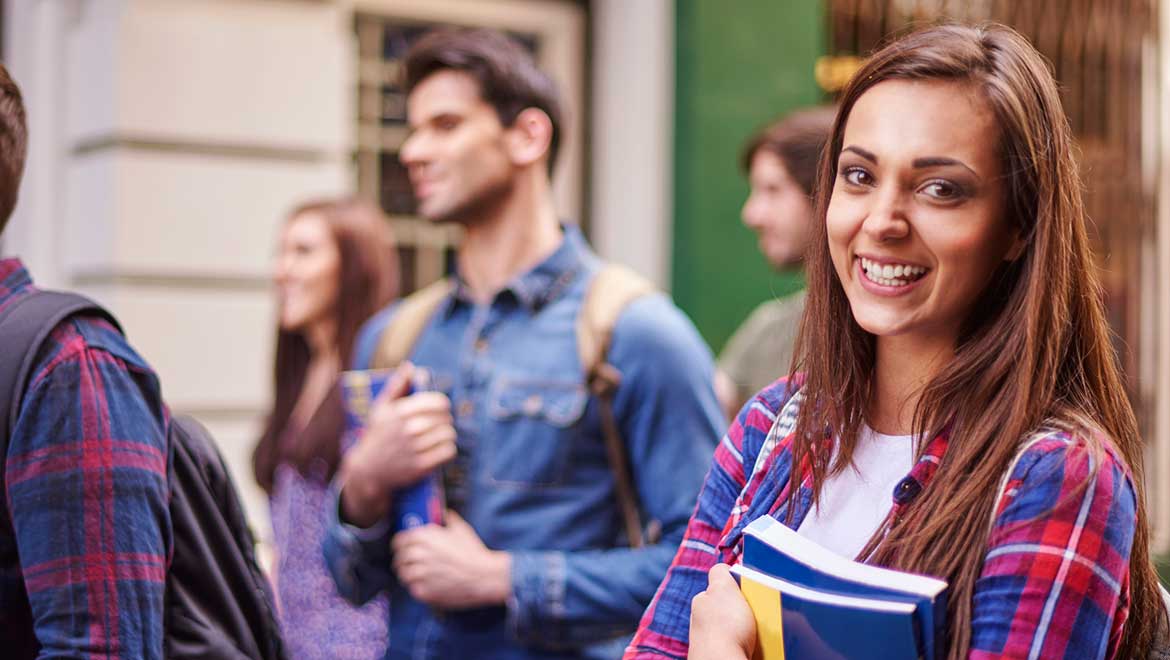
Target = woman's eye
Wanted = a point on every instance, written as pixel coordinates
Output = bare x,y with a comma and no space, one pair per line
942,190
857,176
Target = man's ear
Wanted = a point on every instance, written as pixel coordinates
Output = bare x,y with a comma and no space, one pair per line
529,137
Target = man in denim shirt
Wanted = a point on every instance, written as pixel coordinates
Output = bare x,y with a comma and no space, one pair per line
533,561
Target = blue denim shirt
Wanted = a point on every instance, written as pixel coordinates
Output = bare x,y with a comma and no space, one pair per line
538,482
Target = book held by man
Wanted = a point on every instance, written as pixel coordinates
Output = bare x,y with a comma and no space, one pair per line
810,603
416,505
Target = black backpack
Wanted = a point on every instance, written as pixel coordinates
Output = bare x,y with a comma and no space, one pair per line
218,604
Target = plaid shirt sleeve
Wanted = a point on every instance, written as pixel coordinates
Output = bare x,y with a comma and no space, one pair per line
86,487
664,629
1055,583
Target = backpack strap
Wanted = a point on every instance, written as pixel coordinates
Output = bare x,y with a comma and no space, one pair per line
24,325
411,318
613,288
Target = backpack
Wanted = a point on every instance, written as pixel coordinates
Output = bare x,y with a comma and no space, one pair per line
611,290
217,604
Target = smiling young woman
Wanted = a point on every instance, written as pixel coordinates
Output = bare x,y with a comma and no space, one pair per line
954,344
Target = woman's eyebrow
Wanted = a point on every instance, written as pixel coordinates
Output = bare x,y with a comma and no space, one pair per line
861,152
940,161
917,163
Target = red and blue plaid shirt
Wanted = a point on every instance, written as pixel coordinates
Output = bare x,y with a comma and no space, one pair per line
1055,581
85,532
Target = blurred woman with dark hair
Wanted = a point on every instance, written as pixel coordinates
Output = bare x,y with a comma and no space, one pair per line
955,407
336,267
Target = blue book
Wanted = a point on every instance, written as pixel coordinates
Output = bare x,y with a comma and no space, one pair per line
771,548
414,506
797,623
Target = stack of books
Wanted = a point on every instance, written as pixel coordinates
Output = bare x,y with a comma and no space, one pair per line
810,603
420,504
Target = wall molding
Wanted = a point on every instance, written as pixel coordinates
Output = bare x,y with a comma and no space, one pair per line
190,281
234,150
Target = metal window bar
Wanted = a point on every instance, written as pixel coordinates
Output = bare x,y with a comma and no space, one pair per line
425,248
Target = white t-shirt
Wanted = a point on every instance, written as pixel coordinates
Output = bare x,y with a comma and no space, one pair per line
856,500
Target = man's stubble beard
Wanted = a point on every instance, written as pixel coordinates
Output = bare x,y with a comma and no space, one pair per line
479,208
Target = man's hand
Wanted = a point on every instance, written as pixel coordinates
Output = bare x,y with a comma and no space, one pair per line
450,568
406,437
722,625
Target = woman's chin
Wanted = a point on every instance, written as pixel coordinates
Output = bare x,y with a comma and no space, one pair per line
292,323
881,323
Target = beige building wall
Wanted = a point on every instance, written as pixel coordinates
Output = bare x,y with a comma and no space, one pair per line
169,137
633,134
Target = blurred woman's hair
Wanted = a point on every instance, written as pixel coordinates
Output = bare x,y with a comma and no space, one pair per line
368,281
1035,349
798,140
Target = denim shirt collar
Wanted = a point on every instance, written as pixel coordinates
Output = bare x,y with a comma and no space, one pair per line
542,284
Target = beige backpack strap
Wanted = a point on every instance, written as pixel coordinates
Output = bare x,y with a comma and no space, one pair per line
409,320
612,289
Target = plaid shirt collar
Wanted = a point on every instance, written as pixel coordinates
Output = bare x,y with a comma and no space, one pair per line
14,279
775,463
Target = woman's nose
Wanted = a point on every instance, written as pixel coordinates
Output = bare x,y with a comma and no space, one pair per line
280,273
887,219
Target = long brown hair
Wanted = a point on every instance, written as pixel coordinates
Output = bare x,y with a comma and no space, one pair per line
1034,349
368,280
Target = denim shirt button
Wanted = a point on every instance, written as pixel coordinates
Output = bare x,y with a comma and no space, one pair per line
906,490
465,408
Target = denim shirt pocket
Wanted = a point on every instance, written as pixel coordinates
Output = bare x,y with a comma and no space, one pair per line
535,424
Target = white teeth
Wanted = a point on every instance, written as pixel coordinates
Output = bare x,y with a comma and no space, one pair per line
889,274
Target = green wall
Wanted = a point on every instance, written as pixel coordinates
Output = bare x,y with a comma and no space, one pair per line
740,63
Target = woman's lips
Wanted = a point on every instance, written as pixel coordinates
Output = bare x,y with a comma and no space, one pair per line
888,279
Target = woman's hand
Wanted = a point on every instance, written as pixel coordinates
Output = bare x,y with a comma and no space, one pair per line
722,625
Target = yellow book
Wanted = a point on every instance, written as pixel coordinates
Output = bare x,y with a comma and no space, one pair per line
765,604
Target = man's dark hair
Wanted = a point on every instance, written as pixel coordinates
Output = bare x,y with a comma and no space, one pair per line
797,140
13,144
508,78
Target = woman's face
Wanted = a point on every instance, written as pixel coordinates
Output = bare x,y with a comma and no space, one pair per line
915,223
778,210
307,273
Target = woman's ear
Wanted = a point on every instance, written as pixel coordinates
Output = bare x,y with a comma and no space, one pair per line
529,137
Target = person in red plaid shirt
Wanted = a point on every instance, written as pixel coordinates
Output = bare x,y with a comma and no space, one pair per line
85,531
954,352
